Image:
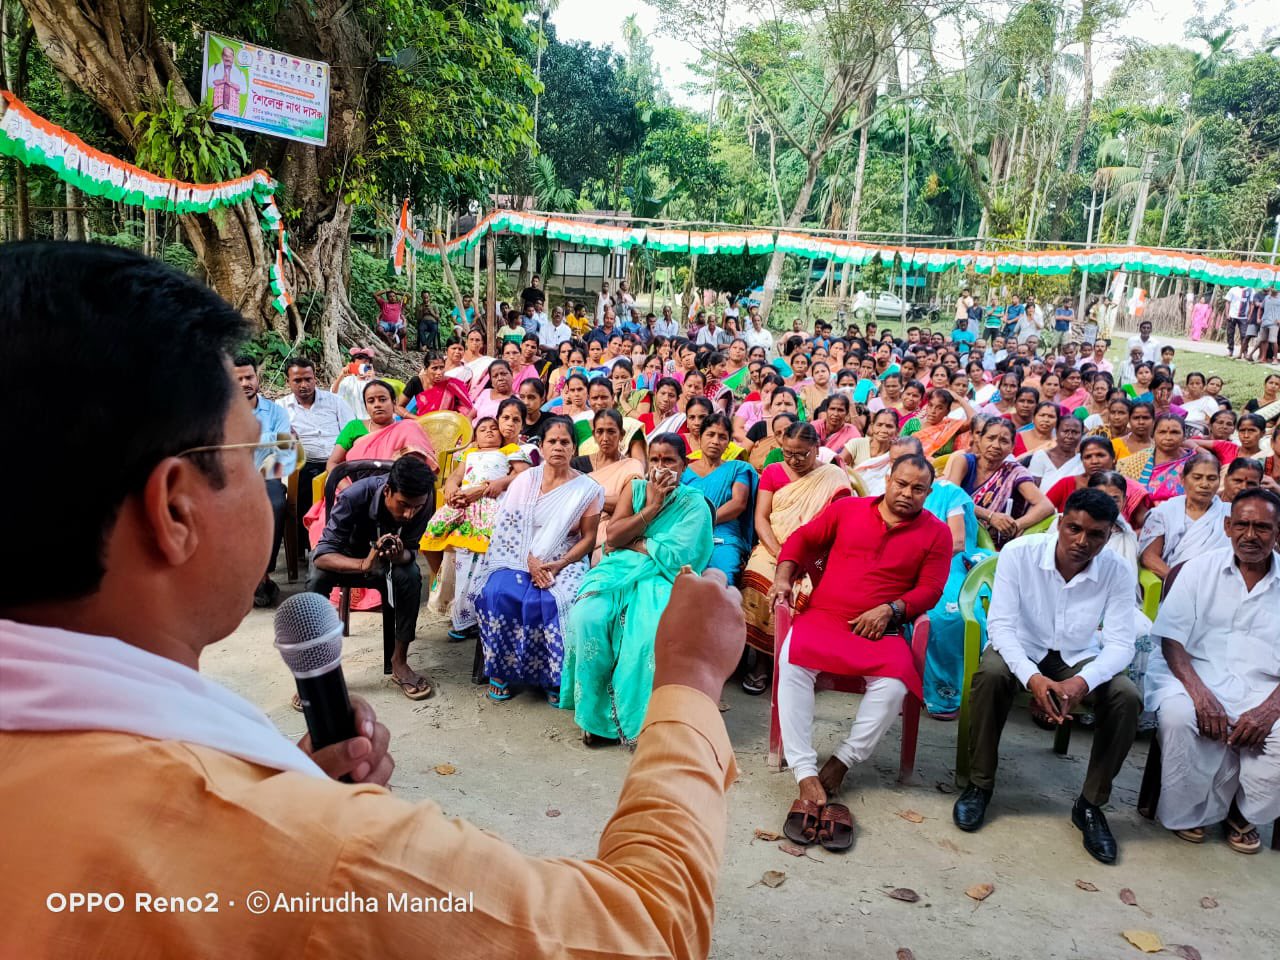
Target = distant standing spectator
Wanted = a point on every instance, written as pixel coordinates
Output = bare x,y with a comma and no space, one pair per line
531,294
427,319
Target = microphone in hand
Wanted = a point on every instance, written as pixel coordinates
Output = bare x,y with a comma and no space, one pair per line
309,638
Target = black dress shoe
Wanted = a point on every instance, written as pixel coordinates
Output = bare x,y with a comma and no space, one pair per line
971,808
1097,835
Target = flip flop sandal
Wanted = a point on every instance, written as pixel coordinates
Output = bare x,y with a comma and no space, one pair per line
457,636
413,689
593,741
499,690
296,702
1243,838
801,825
553,696
755,684
835,828
1192,835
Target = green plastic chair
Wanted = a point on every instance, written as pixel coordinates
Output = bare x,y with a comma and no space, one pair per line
986,543
1151,587
1040,527
983,575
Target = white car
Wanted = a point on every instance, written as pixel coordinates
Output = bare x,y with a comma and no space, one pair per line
884,305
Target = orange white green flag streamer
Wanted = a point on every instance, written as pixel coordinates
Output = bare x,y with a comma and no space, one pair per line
403,231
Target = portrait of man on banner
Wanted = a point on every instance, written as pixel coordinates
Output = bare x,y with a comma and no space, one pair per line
228,82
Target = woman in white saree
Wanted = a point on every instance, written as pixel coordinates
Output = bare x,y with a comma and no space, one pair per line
538,556
1188,525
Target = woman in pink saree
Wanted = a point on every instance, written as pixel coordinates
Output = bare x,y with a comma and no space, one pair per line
1200,318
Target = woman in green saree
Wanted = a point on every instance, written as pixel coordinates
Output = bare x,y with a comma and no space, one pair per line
659,528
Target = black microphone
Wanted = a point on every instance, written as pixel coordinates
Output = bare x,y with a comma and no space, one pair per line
309,638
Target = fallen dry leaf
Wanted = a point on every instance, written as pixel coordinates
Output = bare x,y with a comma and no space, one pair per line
773,878
905,894
791,849
767,835
1144,940
1086,885
1127,896
446,769
911,815
1208,902
980,891
1184,950
553,812
904,954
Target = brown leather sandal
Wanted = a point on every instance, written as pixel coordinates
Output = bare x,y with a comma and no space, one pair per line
801,825
835,828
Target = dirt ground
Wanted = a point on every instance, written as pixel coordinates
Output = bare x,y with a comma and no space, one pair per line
517,761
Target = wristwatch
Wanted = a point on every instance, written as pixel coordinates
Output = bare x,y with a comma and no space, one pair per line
899,610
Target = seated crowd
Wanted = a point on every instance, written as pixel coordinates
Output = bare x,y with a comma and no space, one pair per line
856,478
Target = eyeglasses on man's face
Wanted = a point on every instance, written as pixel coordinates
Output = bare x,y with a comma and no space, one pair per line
275,459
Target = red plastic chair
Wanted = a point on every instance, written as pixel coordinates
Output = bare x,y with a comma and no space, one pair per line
911,705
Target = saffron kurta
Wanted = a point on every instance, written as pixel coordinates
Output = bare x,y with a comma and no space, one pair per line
867,563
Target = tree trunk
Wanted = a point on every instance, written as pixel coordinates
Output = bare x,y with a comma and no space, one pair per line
75,218
1135,223
855,204
22,202
113,51
21,194
798,210
1086,95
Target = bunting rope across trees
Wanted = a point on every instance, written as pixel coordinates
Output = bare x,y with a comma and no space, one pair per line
1050,263
32,140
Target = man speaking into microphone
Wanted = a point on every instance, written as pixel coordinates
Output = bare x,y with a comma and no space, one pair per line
128,776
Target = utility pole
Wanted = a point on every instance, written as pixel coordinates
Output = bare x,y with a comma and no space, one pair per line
906,178
1088,240
1275,243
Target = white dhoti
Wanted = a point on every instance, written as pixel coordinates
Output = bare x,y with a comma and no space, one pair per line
1200,777
796,697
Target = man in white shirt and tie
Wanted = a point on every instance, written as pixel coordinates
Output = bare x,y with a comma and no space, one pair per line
1050,594
1216,690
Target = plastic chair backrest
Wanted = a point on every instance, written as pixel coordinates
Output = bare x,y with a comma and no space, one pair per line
983,575
447,430
855,481
984,541
1040,527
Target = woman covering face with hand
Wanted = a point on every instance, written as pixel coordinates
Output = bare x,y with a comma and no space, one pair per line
658,528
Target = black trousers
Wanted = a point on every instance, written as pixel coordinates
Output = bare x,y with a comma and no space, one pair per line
1234,324
276,494
406,580
428,335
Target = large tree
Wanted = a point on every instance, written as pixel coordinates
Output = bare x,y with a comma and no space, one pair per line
806,66
437,123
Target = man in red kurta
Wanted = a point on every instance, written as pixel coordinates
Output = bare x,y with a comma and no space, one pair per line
886,562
